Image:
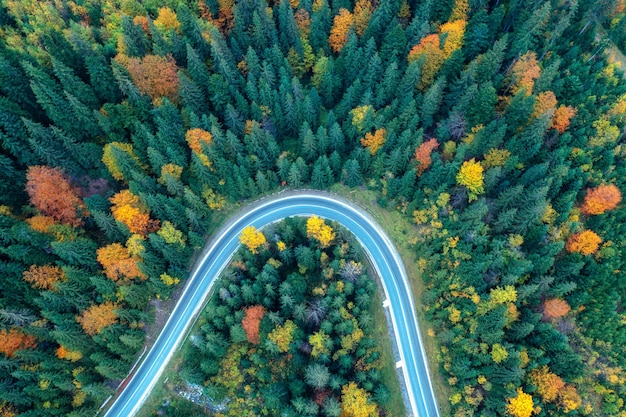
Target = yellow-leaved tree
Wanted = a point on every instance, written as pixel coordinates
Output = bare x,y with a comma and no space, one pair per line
318,229
521,405
196,138
282,335
355,402
548,384
252,238
471,176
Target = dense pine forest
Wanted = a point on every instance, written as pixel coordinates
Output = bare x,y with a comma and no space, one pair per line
128,128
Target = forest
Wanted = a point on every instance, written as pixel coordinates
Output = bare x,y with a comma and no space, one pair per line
288,329
129,129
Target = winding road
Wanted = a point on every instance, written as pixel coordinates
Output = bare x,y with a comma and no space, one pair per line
378,248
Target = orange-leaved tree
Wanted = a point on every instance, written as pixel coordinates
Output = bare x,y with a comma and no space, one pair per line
155,76
374,141
53,195
548,384
252,238
555,308
14,339
433,56
67,354
600,199
318,229
129,209
524,73
520,405
339,32
562,117
585,242
196,138
422,155
97,317
44,277
118,263
40,223
545,102
251,322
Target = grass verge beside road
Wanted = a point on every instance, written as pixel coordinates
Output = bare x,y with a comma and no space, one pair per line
400,230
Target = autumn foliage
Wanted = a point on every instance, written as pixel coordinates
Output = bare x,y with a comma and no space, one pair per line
585,242
71,355
433,55
167,20
129,210
251,322
471,176
524,73
155,76
97,317
548,384
51,193
13,340
601,199
109,157
555,308
521,405
434,52
339,32
252,238
354,401
544,103
118,263
562,118
374,141
318,229
40,223
196,138
44,277
422,155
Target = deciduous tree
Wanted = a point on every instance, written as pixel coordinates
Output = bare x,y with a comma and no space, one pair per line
585,242
128,209
251,322
318,229
14,339
118,263
374,141
521,405
601,199
555,308
355,402
422,155
97,317
339,32
471,176
252,238
53,195
44,277
548,384
155,76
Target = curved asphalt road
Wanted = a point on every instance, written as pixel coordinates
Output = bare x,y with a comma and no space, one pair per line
379,249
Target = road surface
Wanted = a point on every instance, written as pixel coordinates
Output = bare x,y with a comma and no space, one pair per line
378,248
